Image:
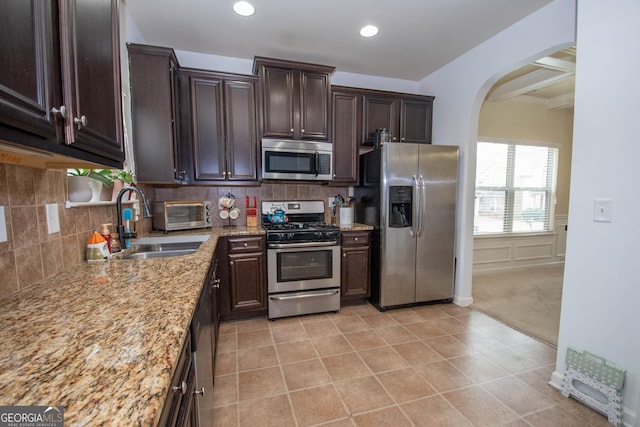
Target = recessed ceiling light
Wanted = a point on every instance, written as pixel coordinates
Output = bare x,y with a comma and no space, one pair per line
243,8
369,31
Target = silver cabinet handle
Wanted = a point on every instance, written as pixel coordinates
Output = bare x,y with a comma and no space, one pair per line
82,121
182,388
344,255
200,392
291,129
230,262
355,239
62,111
245,244
302,130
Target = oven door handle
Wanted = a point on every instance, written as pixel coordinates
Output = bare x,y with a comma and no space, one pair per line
305,295
301,245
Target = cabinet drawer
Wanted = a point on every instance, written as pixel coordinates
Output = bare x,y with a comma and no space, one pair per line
355,238
246,244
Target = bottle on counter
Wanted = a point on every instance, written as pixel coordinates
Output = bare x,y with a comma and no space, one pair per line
104,232
115,244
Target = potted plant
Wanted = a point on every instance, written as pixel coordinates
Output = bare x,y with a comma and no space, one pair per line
86,185
120,179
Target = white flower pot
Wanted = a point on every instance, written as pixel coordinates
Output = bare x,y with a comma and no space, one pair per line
78,188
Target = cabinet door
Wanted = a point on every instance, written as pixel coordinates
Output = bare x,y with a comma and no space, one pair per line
346,136
91,76
415,121
314,106
355,265
277,102
380,112
27,81
207,132
153,74
246,273
240,129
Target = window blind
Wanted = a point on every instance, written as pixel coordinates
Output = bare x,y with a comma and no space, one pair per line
515,188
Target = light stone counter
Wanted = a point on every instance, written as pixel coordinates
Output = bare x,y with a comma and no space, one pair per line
103,339
356,227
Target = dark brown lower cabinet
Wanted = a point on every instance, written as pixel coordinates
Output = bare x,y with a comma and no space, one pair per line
355,278
243,290
179,408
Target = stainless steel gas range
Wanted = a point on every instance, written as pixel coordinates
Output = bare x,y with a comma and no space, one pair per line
303,258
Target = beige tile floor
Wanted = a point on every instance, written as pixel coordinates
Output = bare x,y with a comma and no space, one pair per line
439,365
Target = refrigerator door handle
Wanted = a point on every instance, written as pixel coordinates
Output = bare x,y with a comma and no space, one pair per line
423,205
415,207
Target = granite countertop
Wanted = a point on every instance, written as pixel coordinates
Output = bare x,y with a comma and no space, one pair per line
103,339
356,227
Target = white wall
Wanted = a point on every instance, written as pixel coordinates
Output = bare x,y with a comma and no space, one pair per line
460,88
601,291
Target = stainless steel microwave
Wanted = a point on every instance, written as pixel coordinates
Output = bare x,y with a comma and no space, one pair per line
297,160
181,215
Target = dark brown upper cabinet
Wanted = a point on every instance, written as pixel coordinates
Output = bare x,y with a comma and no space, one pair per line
153,73
60,85
380,112
295,99
346,135
415,120
218,118
408,117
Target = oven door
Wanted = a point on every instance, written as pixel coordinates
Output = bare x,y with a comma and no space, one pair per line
303,266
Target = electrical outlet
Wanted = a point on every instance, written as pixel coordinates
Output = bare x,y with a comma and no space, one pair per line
3,226
53,219
332,202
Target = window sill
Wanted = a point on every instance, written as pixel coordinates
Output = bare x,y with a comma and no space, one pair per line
513,235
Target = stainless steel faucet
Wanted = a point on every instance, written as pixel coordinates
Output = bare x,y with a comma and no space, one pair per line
146,212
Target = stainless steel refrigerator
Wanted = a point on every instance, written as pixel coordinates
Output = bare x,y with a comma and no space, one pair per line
407,192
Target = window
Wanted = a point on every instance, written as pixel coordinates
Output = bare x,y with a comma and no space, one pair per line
515,188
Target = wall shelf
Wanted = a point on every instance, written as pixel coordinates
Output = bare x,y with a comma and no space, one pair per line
69,204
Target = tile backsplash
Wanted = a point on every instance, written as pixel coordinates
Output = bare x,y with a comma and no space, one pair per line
31,255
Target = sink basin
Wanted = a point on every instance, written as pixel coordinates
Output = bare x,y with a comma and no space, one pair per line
165,249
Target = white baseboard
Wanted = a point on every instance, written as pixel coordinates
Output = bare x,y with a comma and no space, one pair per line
629,416
463,302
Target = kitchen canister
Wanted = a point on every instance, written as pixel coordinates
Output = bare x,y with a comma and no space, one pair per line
346,216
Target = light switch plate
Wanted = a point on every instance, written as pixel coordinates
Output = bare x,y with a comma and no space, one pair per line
3,226
603,210
53,218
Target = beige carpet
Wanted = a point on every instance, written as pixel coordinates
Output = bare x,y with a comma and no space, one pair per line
528,299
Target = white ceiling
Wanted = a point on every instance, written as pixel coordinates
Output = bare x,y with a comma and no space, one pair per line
549,81
416,36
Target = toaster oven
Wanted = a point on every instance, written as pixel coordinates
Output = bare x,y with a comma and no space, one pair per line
181,215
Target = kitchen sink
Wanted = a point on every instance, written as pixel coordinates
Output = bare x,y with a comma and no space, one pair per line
163,249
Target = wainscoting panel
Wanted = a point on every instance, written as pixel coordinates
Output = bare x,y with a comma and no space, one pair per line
508,252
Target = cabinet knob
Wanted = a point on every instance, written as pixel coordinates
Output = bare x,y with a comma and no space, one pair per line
230,262
355,238
245,244
200,392
182,388
82,121
402,139
395,139
291,130
344,255
62,111
302,130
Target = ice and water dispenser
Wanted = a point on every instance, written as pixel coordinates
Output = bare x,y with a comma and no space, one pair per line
400,203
